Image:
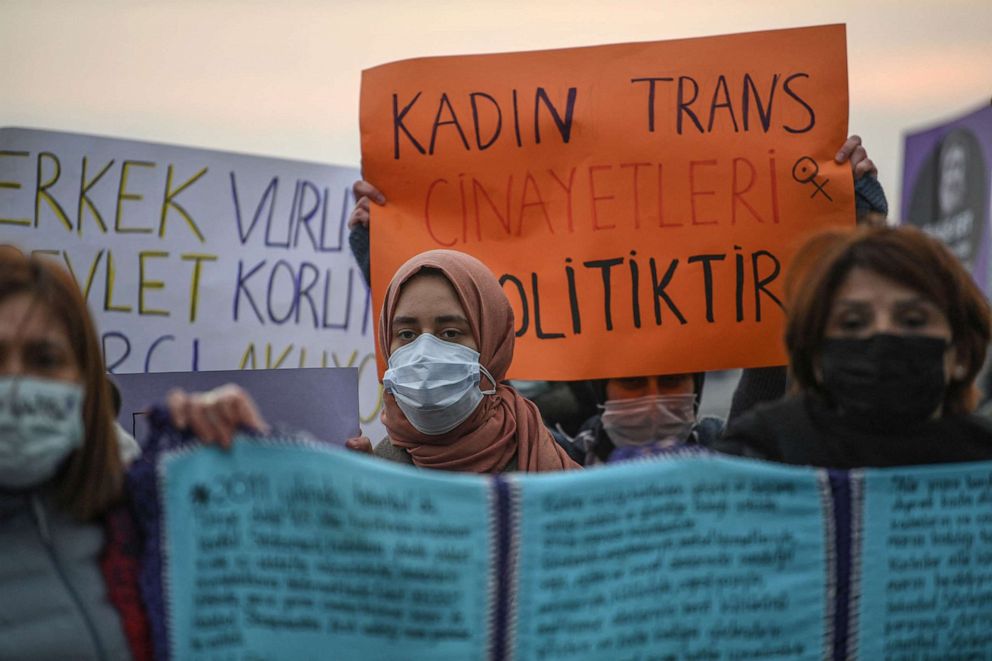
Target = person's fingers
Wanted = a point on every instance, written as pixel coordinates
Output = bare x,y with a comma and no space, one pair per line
857,156
848,148
247,414
359,214
225,409
188,412
175,401
202,423
232,408
224,413
357,218
865,167
363,188
359,444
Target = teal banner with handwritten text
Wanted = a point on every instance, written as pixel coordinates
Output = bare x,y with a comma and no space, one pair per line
283,549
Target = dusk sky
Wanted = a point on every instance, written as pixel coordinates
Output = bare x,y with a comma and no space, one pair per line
282,78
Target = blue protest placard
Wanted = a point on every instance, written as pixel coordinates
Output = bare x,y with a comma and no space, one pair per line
926,577
292,552
692,559
285,549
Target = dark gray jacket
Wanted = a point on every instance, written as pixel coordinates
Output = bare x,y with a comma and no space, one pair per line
53,596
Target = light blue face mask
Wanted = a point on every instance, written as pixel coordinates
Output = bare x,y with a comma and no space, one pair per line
436,383
664,419
41,422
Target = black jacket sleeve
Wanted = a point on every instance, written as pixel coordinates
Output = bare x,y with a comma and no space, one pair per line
358,239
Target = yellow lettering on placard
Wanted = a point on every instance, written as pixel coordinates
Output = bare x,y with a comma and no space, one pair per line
168,201
90,275
194,286
279,361
41,190
84,200
248,357
144,283
123,194
108,291
13,185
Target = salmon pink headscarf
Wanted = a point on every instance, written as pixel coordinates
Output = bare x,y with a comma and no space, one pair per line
504,425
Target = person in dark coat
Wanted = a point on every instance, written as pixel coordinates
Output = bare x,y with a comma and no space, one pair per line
641,416
886,333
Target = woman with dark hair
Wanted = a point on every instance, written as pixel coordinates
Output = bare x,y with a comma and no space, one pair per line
886,333
70,549
64,591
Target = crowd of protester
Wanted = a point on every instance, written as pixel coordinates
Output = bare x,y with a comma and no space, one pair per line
886,335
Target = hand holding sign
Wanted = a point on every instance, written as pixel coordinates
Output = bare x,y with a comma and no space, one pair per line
363,192
360,444
215,416
854,152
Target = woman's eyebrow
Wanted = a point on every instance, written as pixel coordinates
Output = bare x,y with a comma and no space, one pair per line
44,343
916,300
450,319
404,320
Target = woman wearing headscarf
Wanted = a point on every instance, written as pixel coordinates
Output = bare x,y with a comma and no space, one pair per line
886,332
446,330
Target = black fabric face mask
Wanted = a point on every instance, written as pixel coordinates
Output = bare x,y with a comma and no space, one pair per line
885,381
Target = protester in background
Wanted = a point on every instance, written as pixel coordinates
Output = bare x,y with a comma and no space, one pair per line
642,416
65,590
446,330
886,332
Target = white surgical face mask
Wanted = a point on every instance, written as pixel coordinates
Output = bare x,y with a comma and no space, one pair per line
650,419
41,422
435,383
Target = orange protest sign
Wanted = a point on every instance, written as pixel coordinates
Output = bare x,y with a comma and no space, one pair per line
639,202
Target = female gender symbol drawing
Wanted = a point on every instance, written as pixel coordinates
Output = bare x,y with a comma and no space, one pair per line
805,171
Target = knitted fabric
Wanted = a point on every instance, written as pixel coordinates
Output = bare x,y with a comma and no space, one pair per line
869,196
143,491
121,565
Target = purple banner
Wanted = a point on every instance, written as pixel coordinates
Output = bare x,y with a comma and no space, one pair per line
946,184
